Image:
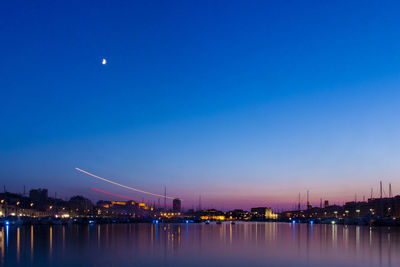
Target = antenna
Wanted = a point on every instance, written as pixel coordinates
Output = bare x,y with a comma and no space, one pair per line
199,202
381,188
165,197
299,202
372,192
390,190
320,203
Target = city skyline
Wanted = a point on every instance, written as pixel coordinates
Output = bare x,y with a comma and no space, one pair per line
300,201
244,104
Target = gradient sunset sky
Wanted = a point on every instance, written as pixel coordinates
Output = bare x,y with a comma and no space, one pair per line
246,103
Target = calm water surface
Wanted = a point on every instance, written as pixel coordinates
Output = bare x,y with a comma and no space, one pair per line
251,244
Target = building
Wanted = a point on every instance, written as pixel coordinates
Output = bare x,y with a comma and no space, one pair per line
80,205
176,205
239,215
2,208
212,215
38,195
263,213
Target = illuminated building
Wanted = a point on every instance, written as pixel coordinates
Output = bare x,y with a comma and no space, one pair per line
2,208
170,214
239,215
263,213
118,203
213,217
103,204
211,214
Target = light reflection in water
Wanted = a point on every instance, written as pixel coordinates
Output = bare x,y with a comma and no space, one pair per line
2,245
226,244
51,242
63,239
230,234
256,234
179,236
152,236
357,238
98,236
31,243
18,243
334,235
275,231
294,231
156,226
7,228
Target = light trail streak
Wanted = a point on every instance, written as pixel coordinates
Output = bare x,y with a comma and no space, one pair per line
129,198
121,185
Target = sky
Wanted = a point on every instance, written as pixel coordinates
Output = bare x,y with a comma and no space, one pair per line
246,103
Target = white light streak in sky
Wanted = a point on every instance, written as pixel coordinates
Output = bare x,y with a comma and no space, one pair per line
121,185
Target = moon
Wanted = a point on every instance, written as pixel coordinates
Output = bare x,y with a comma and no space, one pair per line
104,61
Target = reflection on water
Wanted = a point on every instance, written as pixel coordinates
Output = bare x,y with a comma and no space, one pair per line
2,245
18,243
277,244
31,255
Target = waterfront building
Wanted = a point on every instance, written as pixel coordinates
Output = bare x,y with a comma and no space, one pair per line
80,205
263,213
239,214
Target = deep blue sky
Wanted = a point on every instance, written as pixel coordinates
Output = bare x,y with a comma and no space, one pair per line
244,102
